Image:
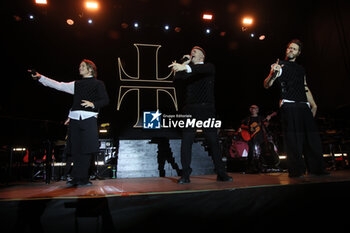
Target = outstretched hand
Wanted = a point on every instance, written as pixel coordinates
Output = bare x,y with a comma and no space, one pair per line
177,67
35,75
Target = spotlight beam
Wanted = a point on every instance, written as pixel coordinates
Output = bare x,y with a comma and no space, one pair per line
41,2
247,21
207,16
91,5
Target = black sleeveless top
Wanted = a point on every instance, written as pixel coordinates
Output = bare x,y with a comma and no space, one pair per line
291,82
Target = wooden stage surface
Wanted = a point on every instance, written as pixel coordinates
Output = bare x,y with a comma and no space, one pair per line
151,186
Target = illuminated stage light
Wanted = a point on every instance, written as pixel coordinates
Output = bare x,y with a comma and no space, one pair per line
247,21
335,155
17,18
70,22
207,31
252,35
282,157
19,149
90,21
91,5
177,29
99,163
124,25
31,16
136,25
207,16
41,2
262,37
166,27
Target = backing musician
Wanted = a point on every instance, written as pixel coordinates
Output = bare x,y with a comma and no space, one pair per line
252,131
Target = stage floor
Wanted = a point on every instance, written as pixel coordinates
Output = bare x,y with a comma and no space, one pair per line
152,186
251,203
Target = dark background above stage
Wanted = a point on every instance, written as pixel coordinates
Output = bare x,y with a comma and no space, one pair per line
55,49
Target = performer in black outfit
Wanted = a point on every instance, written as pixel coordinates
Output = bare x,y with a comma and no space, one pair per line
200,103
89,96
298,110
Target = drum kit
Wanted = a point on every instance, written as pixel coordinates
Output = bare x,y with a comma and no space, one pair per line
237,148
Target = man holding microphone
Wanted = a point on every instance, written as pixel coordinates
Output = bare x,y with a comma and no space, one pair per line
298,110
198,78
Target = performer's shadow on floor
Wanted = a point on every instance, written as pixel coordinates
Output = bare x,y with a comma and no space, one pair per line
164,154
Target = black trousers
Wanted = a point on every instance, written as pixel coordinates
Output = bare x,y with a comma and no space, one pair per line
201,112
302,139
83,143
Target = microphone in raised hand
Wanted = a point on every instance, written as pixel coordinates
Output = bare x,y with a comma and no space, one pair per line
185,60
276,69
35,75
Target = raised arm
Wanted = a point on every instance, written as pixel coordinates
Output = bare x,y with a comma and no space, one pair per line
183,71
275,72
60,86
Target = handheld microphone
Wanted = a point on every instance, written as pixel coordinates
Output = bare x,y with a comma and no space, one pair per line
32,71
184,59
33,74
276,72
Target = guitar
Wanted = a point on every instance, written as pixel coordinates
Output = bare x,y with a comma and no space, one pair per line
248,132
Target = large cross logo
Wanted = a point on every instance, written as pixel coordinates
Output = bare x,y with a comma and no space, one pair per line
147,83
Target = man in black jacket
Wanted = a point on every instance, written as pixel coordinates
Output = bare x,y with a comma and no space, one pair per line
89,95
199,79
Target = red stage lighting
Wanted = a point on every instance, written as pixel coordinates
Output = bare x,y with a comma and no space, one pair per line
207,16
177,29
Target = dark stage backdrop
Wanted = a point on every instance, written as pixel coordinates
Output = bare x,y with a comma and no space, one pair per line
55,49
